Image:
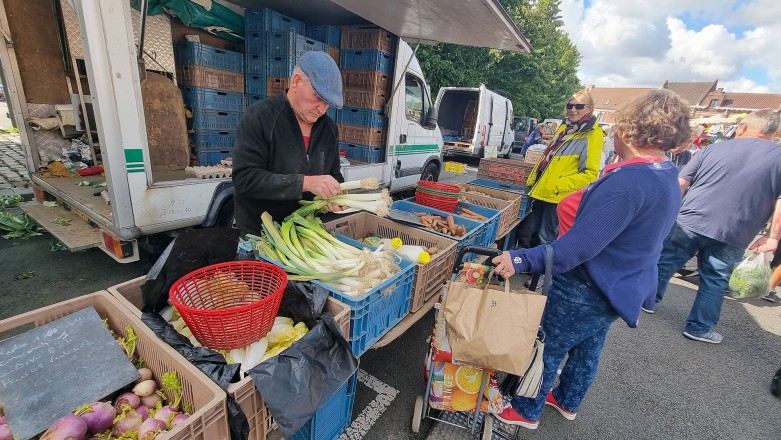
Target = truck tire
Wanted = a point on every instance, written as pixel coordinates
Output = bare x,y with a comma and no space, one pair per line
226,218
430,172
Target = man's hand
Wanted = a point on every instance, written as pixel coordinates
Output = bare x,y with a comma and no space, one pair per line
323,186
764,244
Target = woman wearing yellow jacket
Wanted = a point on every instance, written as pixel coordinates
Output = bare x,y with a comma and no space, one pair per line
570,162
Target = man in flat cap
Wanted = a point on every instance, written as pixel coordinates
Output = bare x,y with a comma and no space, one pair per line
287,148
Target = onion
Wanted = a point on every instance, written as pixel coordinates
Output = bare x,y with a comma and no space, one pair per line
150,429
69,427
145,373
5,432
145,388
179,419
128,399
98,415
128,421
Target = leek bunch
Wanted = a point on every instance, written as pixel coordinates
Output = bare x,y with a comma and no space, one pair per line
377,203
309,252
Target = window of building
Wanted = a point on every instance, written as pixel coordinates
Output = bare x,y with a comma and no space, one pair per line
713,103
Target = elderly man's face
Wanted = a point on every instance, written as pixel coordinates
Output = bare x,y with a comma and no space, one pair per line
307,106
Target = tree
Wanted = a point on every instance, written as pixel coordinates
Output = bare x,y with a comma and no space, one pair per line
538,83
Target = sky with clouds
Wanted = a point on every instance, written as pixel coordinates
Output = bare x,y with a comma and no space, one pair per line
643,43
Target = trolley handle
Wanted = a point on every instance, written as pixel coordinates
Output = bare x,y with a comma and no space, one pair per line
481,250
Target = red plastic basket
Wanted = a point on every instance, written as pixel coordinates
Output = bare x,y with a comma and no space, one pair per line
230,305
444,203
439,186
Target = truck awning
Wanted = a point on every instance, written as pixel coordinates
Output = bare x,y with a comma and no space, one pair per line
479,23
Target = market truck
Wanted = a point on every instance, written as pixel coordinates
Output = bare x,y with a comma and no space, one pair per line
475,121
143,196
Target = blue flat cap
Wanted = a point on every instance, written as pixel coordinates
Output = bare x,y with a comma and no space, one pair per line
324,75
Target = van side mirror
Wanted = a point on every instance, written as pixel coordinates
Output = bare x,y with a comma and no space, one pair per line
431,118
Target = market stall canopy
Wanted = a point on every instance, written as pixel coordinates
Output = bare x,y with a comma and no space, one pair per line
479,23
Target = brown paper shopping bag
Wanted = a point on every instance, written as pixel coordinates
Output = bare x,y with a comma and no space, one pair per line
493,327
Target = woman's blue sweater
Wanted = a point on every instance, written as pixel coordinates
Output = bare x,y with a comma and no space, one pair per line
617,237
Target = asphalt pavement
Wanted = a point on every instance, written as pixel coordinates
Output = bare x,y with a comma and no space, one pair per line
653,383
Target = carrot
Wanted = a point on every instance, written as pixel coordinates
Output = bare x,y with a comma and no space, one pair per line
451,224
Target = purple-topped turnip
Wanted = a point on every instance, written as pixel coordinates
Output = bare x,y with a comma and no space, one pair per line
151,428
166,414
98,415
145,373
145,388
143,410
69,427
151,401
5,432
179,419
128,421
128,399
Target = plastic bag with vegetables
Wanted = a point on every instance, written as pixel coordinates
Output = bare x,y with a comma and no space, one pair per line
751,278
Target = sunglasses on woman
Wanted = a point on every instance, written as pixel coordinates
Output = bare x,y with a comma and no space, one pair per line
577,106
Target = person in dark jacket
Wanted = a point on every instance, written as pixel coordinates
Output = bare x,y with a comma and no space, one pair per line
287,148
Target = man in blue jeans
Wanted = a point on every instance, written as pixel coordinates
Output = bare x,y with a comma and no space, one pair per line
730,190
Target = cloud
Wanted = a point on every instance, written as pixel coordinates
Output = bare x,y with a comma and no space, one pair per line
643,43
744,85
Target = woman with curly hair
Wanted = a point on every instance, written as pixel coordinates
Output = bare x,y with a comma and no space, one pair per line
605,258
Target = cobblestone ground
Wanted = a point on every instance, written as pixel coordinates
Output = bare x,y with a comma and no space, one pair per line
13,167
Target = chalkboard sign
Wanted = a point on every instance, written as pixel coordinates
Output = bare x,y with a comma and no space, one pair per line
50,370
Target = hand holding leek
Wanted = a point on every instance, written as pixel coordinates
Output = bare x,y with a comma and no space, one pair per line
377,203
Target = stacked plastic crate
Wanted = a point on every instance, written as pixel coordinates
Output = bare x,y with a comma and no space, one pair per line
212,84
331,36
367,64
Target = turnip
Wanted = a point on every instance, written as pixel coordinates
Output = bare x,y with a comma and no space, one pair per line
5,432
69,427
128,399
166,414
143,411
98,415
3,420
151,401
128,421
145,388
145,373
151,428
179,419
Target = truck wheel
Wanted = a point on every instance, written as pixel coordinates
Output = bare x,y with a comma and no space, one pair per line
226,218
430,172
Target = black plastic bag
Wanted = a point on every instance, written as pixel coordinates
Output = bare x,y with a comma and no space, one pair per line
295,383
190,250
211,363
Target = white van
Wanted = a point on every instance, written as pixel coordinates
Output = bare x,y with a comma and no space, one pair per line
475,121
145,201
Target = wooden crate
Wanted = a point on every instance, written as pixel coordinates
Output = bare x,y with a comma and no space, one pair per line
373,98
200,76
353,134
533,156
366,79
335,53
276,84
504,170
367,37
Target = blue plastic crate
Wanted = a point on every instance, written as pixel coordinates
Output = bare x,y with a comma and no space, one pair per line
214,140
491,225
201,98
475,230
280,66
255,85
332,112
330,35
369,59
215,120
190,52
266,20
363,117
290,44
211,158
251,99
376,312
256,64
255,43
333,417
364,153
508,187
